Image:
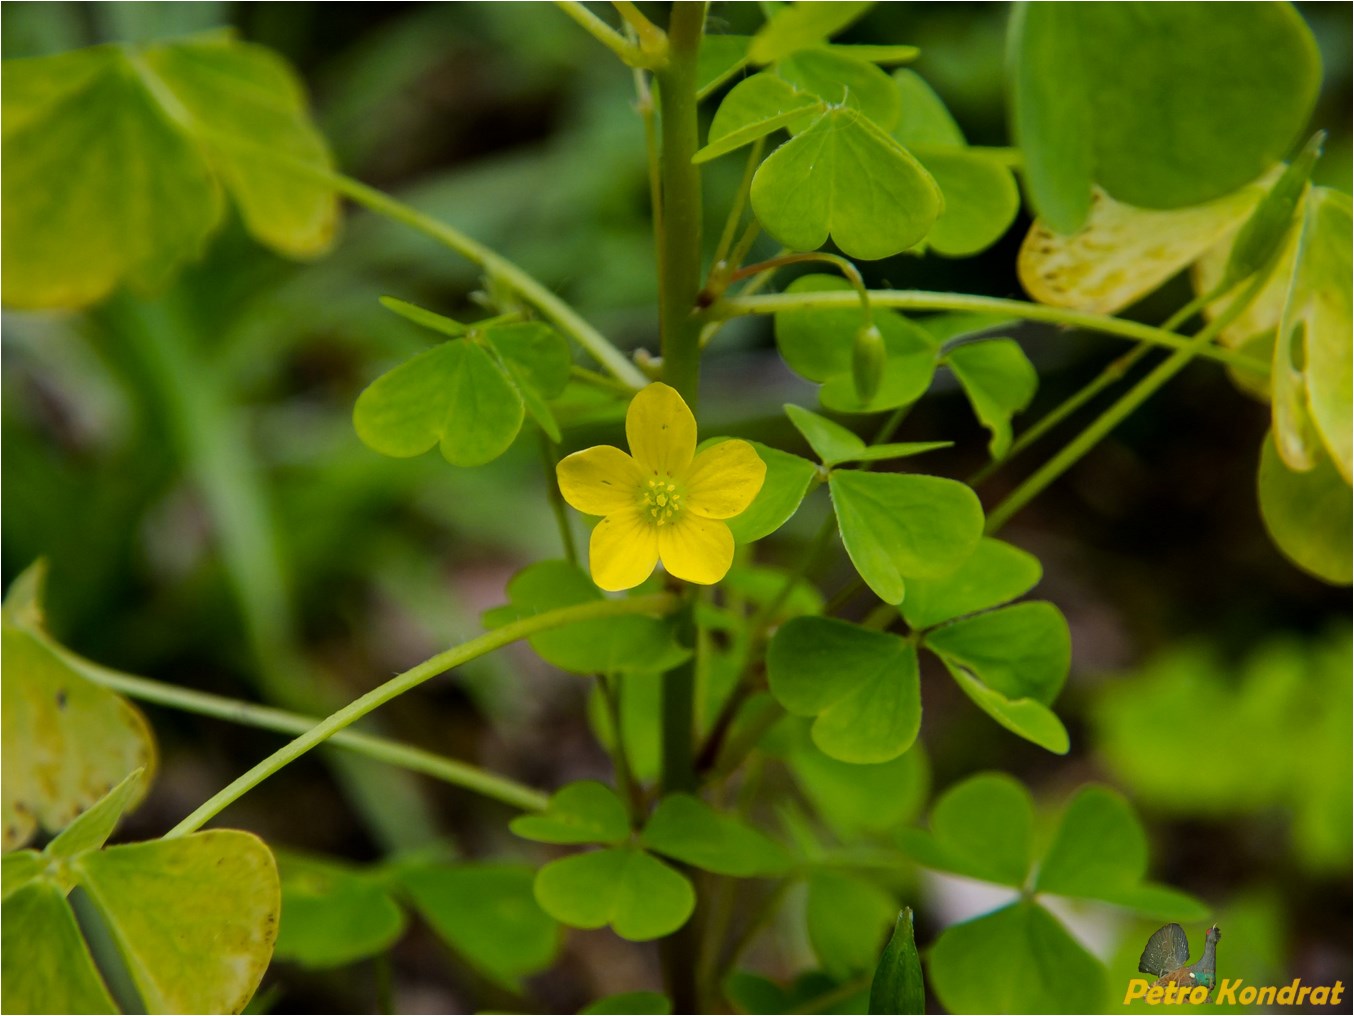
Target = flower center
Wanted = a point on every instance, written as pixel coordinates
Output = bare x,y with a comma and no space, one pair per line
662,500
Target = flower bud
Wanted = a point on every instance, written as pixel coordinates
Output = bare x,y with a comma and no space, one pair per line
868,359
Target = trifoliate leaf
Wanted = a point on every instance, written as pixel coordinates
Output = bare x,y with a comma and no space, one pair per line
453,395
845,178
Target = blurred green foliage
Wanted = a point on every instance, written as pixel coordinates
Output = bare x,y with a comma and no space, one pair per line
213,518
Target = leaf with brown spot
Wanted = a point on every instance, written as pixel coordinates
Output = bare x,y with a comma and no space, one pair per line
66,741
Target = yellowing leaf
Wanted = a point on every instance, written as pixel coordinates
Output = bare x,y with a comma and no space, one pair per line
1262,313
1122,253
1326,281
45,965
194,918
66,741
116,158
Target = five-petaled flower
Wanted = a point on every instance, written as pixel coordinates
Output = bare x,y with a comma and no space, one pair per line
663,501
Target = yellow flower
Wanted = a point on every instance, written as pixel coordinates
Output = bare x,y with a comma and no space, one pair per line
666,502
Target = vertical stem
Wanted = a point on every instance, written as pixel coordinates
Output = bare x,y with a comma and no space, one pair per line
679,714
620,759
680,220
679,248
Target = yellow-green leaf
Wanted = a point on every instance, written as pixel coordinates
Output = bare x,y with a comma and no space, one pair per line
194,918
116,158
66,741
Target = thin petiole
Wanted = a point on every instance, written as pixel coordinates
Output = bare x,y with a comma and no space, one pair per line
1116,413
1112,373
629,53
736,211
918,300
653,41
661,603
453,771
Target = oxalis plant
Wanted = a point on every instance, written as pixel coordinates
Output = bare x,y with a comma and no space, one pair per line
713,668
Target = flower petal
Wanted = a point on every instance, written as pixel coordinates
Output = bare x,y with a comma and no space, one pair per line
696,549
723,479
623,550
661,431
599,480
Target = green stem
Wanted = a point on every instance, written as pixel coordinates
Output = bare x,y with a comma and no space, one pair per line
456,656
620,759
645,107
816,547
631,54
709,755
653,42
564,317
890,427
457,773
846,267
1116,413
208,432
679,714
601,382
680,224
745,242
739,203
766,910
1112,374
917,300
535,293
